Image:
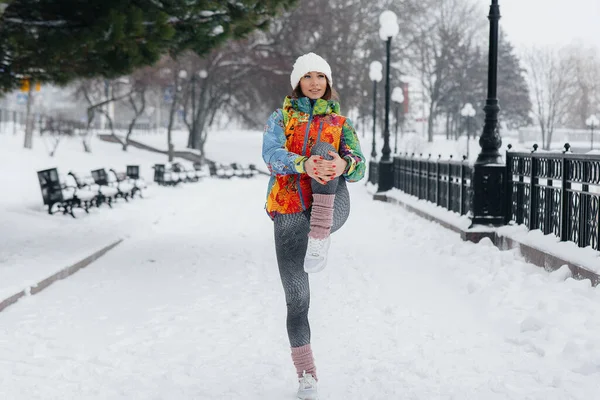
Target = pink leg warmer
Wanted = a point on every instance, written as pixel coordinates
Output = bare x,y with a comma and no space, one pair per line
303,361
321,217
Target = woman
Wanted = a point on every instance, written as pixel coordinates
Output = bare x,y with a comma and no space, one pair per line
311,151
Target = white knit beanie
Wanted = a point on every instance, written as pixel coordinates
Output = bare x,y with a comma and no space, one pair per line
307,63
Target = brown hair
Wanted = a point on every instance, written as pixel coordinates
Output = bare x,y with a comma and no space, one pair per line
330,93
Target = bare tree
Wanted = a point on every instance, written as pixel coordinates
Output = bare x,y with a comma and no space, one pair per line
98,93
169,76
54,129
585,98
444,36
344,32
139,94
208,86
551,85
141,82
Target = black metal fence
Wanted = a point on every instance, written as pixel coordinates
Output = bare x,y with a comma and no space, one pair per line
446,183
557,193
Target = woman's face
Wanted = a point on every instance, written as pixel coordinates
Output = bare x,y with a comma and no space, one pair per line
313,85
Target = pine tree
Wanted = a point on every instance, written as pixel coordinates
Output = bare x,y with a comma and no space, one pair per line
3,5
61,40
203,25
513,91
50,41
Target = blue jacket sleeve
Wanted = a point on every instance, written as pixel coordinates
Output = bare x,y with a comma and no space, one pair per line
278,159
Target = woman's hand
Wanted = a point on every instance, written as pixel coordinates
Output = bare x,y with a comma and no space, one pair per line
339,163
324,171
315,170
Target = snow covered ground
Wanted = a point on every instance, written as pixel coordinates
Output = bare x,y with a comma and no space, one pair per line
34,244
190,305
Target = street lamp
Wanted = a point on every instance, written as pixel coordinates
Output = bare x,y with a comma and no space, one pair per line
375,74
398,98
183,76
592,122
468,112
202,74
388,29
488,205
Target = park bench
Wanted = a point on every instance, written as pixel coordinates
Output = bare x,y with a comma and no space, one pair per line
164,177
176,176
219,170
228,170
185,174
102,194
84,197
237,170
202,171
55,193
120,180
253,169
110,193
242,171
133,173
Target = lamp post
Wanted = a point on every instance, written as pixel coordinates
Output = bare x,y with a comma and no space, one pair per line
388,29
398,98
468,112
488,205
375,74
592,122
181,76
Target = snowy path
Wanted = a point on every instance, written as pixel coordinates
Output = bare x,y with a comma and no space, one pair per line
192,308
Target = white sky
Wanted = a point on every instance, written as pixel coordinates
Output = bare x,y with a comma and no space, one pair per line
550,22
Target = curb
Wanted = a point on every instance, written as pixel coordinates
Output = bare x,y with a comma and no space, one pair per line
472,236
62,274
531,254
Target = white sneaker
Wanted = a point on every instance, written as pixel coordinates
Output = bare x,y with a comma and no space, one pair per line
316,254
308,388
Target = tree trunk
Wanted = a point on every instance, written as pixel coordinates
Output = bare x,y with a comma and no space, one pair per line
201,148
112,128
456,126
55,147
136,115
170,127
29,120
191,138
86,138
549,138
543,134
430,122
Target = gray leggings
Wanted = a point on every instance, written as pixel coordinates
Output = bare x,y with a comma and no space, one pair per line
291,240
